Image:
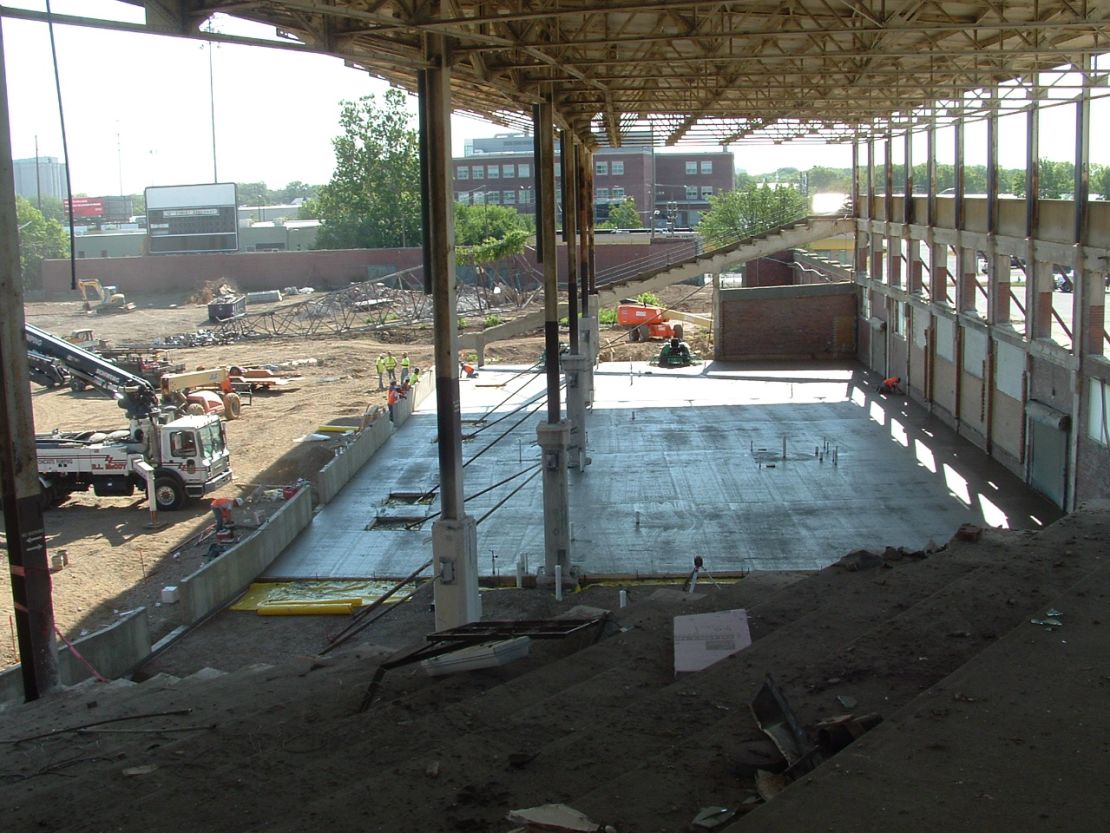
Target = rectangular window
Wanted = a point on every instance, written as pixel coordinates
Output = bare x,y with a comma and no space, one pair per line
478,172
183,444
523,170
1098,412
691,168
508,171
618,193
691,192
462,172
706,192
707,167
618,169
493,171
602,194
493,198
462,196
601,168
479,197
525,196
508,197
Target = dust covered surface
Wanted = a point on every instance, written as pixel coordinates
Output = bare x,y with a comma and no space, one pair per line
990,722
115,562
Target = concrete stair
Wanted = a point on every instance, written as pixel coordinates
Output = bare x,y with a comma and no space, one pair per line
654,278
605,728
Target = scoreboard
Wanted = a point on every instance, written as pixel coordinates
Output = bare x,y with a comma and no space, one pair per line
182,219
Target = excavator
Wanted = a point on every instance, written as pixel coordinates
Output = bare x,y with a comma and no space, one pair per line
103,299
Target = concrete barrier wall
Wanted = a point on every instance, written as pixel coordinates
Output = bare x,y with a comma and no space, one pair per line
334,476
113,651
218,582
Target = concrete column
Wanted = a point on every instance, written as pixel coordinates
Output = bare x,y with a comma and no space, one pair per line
965,282
553,438
554,433
454,535
1039,288
574,368
938,273
20,497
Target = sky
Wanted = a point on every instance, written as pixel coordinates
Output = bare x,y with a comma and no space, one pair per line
138,112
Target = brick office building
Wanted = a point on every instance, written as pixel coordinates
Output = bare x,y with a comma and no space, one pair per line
672,188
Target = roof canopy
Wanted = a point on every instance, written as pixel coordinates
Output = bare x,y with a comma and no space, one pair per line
690,71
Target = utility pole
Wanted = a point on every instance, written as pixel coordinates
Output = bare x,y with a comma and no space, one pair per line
19,482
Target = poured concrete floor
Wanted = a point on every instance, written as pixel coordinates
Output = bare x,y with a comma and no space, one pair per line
686,462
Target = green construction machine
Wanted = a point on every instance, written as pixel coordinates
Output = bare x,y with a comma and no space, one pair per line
675,353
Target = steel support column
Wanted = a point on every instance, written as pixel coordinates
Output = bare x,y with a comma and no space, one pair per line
1038,283
552,434
454,534
998,286
576,363
20,492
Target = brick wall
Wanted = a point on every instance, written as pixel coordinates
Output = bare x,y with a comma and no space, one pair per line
324,270
787,322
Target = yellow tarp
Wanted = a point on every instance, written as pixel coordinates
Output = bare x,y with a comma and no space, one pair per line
315,592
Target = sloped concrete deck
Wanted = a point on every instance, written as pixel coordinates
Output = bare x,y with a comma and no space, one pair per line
685,462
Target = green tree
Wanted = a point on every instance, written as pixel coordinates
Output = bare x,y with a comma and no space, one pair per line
476,224
743,180
309,209
293,191
734,215
252,193
373,198
823,179
1100,181
39,239
1057,179
624,215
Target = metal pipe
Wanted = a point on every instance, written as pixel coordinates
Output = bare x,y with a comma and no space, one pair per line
545,170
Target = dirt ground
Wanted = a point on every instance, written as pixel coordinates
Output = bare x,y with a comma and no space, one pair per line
115,561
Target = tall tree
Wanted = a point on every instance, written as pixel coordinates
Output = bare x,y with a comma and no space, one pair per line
624,215
476,224
373,198
734,215
252,193
39,239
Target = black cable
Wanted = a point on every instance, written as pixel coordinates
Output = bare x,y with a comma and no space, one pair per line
505,499
435,515
628,332
539,404
65,149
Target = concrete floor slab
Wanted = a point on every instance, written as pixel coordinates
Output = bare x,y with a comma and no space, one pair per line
685,462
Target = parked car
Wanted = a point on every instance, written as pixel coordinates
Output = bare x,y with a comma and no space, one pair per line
1062,278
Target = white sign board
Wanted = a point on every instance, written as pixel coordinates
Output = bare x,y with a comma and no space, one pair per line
705,638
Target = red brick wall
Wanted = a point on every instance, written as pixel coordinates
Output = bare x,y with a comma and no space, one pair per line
770,271
799,322
254,271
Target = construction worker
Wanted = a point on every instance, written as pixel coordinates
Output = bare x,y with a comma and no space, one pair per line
391,367
892,384
221,509
379,365
415,377
394,396
405,363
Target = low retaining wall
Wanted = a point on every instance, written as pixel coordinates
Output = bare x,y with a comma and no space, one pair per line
222,579
118,649
334,476
113,651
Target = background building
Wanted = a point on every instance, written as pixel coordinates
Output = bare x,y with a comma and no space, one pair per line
49,181
671,190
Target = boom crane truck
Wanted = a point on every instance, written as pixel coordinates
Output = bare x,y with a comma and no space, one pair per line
187,457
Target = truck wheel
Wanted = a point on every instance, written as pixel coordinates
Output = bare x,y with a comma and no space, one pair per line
169,494
634,336
194,408
76,386
677,330
232,405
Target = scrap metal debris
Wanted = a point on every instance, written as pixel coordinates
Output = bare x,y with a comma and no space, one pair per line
554,817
